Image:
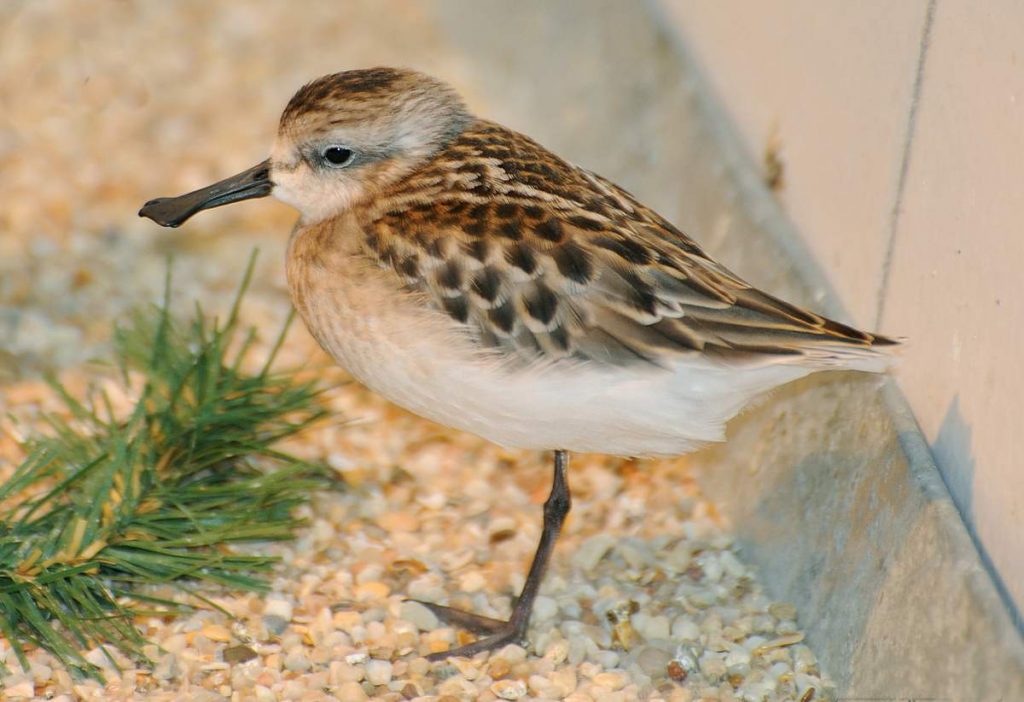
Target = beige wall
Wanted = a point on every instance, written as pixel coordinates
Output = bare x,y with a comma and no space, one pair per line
901,131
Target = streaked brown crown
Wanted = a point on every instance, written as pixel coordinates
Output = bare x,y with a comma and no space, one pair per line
373,96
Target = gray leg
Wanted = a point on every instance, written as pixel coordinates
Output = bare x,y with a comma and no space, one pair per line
500,633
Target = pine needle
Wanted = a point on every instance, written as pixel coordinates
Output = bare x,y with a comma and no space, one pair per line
105,505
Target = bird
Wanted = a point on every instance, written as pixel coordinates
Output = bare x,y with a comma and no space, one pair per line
470,275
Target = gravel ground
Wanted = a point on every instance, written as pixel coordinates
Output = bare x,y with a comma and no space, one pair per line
102,110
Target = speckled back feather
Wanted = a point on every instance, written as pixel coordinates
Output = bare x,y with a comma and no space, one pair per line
546,260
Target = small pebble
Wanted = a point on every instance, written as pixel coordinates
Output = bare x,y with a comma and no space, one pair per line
732,565
577,650
676,671
564,681
779,642
499,668
611,680
458,687
685,629
340,671
805,686
737,662
509,689
357,658
712,667
653,661
432,499
804,661
216,632
606,659
19,686
467,667
636,555
175,643
557,651
99,658
541,686
420,616
544,608
351,692
238,654
371,591
297,661
41,673
757,691
592,551
649,627
378,672
782,610
277,614
399,521
513,654
347,620
472,581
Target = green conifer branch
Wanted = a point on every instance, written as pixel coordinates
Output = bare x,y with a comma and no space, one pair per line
104,505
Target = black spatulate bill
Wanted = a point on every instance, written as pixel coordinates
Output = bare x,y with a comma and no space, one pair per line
173,211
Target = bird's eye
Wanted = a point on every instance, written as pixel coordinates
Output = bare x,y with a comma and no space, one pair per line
337,155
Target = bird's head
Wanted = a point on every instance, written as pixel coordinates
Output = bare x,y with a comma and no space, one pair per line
341,139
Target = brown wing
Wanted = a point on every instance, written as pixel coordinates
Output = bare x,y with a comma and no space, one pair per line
542,259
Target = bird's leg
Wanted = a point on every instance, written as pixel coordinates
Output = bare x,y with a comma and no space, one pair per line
499,633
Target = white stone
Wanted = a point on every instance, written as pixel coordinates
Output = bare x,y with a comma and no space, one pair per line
653,661
19,686
577,650
592,551
685,629
713,667
419,615
712,567
297,661
635,553
544,608
731,565
513,654
41,673
557,651
613,680
738,661
378,672
351,692
277,614
804,660
278,607
509,689
357,658
679,558
606,659
656,627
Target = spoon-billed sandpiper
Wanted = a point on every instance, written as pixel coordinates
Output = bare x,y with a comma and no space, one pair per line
470,275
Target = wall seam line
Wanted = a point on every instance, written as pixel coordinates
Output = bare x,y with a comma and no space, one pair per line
908,143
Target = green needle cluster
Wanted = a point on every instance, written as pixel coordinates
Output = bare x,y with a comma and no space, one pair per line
105,506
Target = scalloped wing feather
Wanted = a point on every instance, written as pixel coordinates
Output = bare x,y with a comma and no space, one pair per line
543,260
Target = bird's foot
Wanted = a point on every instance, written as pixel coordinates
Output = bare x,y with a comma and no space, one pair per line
496,633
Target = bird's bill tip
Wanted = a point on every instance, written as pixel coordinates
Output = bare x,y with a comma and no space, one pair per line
174,211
